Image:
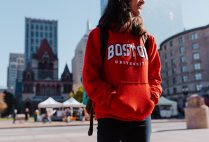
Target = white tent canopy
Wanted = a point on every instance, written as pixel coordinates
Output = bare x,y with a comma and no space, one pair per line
172,111
50,103
72,103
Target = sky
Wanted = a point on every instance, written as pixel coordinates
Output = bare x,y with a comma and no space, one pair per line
72,16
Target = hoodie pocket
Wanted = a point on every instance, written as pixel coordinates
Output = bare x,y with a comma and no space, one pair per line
132,99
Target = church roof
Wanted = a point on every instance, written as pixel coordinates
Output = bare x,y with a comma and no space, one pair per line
66,70
66,75
45,51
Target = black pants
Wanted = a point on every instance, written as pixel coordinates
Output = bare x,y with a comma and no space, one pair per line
112,130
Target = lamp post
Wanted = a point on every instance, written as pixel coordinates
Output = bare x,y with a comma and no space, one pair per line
182,103
185,91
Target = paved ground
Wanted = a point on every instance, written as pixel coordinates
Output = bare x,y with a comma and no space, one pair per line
163,131
4,124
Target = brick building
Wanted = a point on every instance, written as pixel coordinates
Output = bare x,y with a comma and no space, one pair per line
40,78
185,63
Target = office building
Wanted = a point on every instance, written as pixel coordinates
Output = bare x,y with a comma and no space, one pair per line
40,78
77,61
184,58
15,69
35,31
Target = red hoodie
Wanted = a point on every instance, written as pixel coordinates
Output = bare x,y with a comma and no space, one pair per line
121,86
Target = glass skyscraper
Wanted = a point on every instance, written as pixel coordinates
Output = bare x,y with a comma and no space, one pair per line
15,69
35,31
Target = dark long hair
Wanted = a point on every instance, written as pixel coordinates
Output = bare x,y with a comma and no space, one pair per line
117,17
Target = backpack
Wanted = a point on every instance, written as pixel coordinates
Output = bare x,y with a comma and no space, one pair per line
103,44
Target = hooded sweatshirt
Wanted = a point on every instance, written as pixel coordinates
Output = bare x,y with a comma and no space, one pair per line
126,85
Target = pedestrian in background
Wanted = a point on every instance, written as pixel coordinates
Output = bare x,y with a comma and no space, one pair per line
3,105
27,115
125,86
14,114
36,115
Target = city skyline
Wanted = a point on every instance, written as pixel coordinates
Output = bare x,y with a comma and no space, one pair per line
72,18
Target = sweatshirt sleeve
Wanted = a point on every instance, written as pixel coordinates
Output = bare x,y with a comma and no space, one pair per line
154,75
97,89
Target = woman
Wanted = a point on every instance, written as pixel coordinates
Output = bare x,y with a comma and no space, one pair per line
126,85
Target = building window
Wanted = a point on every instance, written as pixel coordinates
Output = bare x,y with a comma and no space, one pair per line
171,43
198,87
198,76
31,34
31,48
194,36
37,27
174,90
197,66
196,56
41,27
171,53
50,43
166,73
174,80
165,56
184,68
185,78
41,34
37,34
46,35
181,39
172,62
165,47
166,65
27,34
168,91
167,83
182,50
195,46
173,71
183,59
46,28
37,41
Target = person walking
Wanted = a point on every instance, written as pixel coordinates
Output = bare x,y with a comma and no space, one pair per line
125,85
36,115
27,115
14,114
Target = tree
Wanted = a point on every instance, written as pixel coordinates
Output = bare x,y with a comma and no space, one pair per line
10,102
3,105
79,94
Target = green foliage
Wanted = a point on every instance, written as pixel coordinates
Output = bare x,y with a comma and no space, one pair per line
3,105
10,102
79,94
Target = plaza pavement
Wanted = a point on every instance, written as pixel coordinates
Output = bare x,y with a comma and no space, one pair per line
6,124
163,130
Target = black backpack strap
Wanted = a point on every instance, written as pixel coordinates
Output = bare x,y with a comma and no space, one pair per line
103,47
90,132
103,41
145,41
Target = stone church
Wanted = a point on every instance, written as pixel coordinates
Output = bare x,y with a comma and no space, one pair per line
40,78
